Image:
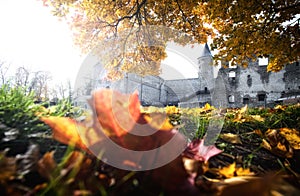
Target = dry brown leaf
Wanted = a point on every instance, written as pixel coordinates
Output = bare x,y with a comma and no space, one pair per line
46,165
276,143
7,167
292,136
258,132
252,186
231,138
266,145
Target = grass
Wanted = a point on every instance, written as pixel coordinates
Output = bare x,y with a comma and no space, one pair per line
78,171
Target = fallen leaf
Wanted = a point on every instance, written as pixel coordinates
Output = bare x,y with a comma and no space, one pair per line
248,187
243,171
243,109
117,113
46,165
228,171
277,144
7,167
159,121
117,121
207,106
257,118
266,144
231,138
292,136
258,132
198,151
64,130
69,131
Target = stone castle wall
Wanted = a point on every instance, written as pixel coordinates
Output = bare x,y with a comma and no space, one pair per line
257,87
233,87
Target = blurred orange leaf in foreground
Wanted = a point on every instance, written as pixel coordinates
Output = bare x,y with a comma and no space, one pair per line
117,120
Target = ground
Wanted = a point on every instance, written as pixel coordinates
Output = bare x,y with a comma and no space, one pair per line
257,153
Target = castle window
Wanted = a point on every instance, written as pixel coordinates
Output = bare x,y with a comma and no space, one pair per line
231,98
232,74
246,100
261,97
205,90
263,61
249,81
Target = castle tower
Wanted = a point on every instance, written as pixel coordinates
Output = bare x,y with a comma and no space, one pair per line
205,74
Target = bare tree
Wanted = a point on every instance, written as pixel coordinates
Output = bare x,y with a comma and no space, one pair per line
22,77
39,84
61,90
3,71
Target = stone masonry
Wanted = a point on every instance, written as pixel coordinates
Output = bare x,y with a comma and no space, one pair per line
233,86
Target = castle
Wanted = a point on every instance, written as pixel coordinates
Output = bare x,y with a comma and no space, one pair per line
233,87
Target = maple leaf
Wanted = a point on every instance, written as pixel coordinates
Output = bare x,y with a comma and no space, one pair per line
198,151
70,132
143,143
232,170
117,113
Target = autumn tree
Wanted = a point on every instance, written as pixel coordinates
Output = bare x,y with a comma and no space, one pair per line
133,33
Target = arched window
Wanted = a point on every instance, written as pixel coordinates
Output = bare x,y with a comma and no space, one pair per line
231,98
246,99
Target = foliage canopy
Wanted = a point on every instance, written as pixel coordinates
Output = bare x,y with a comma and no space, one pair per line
241,30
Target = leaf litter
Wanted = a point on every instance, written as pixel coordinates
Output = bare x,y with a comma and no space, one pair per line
240,167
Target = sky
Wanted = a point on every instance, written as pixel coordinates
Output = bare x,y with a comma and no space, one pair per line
32,37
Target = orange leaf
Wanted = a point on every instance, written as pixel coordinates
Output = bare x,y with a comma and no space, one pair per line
116,112
243,172
68,131
46,165
228,171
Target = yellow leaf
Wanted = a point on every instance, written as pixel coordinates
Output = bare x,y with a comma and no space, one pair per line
257,118
207,106
228,171
243,172
292,136
231,138
266,145
243,109
159,121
